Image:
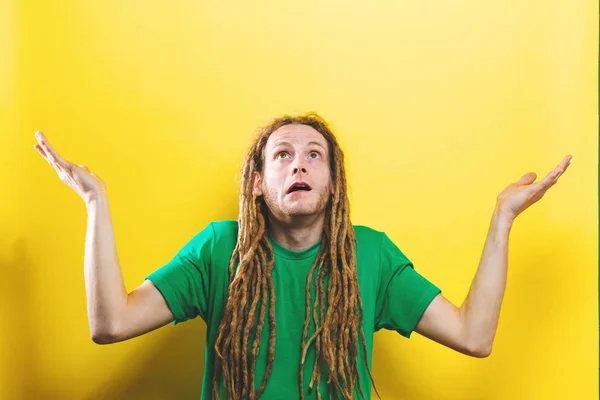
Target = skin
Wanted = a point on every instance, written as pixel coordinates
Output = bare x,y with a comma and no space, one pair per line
471,328
296,222
113,314
295,153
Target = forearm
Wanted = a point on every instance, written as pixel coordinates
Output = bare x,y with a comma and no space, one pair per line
481,308
105,289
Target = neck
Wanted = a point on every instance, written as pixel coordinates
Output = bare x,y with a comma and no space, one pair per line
298,233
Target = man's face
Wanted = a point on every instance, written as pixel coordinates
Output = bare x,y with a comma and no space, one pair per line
295,154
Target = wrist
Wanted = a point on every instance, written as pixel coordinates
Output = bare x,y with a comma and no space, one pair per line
503,218
93,200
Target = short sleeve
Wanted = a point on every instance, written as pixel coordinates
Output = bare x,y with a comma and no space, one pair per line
404,293
184,281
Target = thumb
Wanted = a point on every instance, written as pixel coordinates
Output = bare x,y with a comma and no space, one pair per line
527,179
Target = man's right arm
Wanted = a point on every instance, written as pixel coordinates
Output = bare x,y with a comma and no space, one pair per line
113,314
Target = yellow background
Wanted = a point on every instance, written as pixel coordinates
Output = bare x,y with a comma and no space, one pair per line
438,106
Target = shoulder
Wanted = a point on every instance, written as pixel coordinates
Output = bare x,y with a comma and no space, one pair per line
368,235
370,240
215,235
223,234
224,228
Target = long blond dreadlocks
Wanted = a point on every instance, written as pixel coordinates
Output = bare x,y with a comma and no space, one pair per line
336,331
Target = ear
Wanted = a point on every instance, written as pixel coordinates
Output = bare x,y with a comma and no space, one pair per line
256,185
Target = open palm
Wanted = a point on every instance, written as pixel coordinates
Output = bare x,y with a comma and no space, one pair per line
78,177
518,196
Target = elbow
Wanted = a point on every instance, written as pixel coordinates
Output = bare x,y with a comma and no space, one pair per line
102,336
481,351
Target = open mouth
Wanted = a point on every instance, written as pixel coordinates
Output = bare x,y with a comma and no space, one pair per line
299,186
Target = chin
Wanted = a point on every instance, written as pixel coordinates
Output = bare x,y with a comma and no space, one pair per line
305,208
303,211
300,212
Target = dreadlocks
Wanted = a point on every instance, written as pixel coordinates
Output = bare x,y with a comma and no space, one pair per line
336,331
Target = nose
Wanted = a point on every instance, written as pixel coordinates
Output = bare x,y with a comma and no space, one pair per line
299,166
299,169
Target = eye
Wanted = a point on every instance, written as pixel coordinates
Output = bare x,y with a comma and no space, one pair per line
283,152
315,154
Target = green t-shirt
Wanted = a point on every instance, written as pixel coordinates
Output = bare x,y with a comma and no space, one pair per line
195,283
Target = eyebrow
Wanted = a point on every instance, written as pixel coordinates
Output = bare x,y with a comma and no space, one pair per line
278,144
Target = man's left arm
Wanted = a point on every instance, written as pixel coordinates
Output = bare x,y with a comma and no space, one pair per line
471,328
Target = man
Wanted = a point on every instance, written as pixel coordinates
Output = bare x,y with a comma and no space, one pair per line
292,292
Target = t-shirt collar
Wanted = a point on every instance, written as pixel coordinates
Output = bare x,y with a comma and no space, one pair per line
292,254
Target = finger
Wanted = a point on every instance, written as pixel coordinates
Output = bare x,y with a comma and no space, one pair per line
560,169
40,151
43,146
49,150
52,163
527,179
553,175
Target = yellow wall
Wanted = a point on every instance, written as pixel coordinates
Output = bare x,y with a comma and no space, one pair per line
438,105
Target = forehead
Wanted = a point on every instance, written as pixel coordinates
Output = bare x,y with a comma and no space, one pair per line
296,135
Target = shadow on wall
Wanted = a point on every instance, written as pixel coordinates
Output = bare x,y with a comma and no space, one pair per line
173,366
533,268
23,373
172,369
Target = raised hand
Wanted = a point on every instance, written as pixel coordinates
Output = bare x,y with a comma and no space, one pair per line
78,177
518,196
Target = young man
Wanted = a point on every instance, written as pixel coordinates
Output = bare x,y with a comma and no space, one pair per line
292,292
